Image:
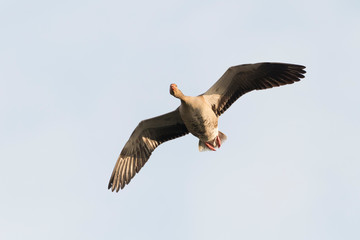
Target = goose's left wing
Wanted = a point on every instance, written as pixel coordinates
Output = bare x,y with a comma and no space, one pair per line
238,80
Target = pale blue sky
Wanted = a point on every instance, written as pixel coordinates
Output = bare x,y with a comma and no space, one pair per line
77,76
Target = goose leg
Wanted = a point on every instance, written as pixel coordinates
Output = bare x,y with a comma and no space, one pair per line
218,141
209,146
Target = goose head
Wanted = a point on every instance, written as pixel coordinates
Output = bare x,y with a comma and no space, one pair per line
175,91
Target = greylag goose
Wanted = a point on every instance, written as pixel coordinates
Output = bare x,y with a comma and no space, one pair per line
198,115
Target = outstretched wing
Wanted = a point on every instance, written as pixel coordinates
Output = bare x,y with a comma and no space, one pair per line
238,80
146,137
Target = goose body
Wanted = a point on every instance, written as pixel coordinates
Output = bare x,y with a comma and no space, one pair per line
198,115
199,118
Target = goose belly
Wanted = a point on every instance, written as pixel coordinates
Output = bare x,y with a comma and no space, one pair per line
201,123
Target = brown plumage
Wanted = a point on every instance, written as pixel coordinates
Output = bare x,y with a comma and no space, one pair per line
198,115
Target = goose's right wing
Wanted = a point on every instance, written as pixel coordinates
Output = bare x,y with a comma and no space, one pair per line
146,137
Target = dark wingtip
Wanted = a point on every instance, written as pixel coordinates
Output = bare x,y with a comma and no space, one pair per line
297,69
110,186
301,69
110,182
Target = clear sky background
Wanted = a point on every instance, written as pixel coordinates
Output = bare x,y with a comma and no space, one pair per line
76,77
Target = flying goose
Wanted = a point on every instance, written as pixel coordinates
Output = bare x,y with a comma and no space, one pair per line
198,115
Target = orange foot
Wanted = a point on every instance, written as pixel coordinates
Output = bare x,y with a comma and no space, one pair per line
209,146
218,141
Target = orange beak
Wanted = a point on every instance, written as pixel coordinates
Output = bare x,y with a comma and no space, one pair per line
172,88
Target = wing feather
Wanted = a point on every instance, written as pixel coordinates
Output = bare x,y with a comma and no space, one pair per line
145,138
241,79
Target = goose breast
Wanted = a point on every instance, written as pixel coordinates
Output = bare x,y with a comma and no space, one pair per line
199,118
